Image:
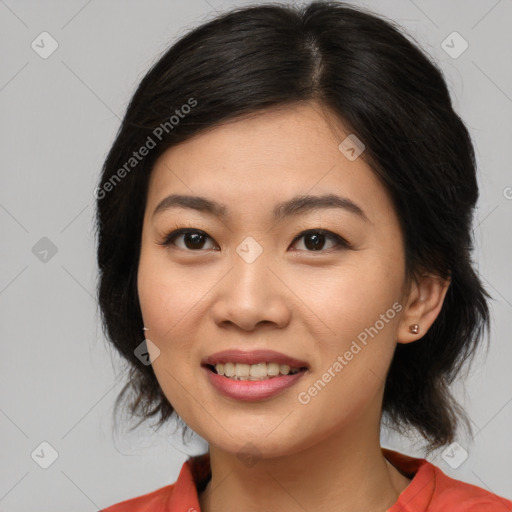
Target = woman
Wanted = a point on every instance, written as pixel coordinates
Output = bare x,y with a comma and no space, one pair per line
285,217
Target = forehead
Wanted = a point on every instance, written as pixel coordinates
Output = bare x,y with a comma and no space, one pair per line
261,159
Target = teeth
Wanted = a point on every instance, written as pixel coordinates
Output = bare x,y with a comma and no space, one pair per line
259,371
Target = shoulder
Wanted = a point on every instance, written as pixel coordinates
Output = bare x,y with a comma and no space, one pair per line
455,495
181,496
151,502
433,490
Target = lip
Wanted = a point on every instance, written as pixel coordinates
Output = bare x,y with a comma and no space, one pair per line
251,391
253,357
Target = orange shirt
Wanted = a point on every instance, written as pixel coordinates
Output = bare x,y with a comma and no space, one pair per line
429,491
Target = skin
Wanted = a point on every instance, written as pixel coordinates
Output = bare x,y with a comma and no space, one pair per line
309,304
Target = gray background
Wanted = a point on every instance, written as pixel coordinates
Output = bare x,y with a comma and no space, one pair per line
58,118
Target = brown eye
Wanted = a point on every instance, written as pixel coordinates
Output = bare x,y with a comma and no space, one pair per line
192,240
315,240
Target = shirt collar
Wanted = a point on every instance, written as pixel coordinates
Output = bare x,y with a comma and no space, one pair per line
196,473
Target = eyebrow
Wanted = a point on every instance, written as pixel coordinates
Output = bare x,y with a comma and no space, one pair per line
294,206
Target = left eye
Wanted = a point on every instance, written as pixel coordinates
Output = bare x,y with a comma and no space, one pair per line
315,239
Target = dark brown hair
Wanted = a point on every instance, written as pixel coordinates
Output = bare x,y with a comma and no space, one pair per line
390,94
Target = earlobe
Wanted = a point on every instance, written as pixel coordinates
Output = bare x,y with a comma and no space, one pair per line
425,302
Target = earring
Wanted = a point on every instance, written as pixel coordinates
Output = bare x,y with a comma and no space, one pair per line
414,328
145,329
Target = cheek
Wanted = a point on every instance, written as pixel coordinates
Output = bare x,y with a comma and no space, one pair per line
172,304
355,352
346,299
166,294
356,316
166,302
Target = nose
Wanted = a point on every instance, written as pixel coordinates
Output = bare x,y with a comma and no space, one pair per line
252,293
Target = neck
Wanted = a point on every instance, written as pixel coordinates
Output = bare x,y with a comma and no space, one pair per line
345,472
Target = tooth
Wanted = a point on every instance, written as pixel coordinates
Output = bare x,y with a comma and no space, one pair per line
284,369
229,369
273,369
242,370
258,370
258,378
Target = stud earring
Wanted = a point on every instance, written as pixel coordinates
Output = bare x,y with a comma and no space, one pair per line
145,329
414,328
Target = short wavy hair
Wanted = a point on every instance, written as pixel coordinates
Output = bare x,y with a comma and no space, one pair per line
389,93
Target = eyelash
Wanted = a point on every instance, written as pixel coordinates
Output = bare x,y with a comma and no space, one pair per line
341,242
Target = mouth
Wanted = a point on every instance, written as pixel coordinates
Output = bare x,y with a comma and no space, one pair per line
257,363
252,382
253,375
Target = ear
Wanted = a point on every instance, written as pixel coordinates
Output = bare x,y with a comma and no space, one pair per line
424,303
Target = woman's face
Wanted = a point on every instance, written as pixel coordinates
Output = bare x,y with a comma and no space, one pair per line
252,282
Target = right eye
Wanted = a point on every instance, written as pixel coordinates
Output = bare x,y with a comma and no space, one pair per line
193,239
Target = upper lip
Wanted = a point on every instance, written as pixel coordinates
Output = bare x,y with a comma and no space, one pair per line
253,357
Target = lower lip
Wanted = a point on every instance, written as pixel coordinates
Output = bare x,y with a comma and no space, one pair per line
251,390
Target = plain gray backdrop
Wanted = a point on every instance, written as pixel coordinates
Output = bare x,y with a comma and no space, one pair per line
59,114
